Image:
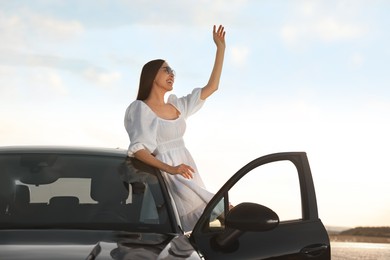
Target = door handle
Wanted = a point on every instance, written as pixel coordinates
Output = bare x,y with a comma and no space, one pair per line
314,250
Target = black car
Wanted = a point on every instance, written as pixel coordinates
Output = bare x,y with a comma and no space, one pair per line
78,203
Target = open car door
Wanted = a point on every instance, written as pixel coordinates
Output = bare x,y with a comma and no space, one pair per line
267,210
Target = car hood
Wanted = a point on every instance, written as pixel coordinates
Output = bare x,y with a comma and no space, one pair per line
81,244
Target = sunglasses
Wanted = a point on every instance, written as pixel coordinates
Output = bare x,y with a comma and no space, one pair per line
169,70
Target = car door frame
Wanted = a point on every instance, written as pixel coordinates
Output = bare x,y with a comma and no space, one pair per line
298,239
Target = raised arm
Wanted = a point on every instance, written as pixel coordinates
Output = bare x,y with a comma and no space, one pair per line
213,83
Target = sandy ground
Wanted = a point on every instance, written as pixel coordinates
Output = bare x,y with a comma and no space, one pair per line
344,238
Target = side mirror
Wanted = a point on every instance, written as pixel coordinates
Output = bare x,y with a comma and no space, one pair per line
251,217
246,217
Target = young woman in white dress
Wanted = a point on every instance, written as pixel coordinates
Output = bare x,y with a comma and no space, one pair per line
156,130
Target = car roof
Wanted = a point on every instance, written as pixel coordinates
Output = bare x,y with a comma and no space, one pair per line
117,152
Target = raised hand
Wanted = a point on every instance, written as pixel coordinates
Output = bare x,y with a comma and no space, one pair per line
213,83
219,36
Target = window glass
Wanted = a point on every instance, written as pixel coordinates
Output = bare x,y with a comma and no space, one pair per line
78,187
274,185
61,189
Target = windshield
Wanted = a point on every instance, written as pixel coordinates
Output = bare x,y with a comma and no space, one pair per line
79,191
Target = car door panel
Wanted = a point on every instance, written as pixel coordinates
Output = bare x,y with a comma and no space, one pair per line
299,240
302,238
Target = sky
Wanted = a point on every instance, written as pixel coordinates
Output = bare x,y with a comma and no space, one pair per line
298,75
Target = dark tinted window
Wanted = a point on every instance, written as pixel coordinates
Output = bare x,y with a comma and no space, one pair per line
79,191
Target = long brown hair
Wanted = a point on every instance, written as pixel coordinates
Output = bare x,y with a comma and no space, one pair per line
149,72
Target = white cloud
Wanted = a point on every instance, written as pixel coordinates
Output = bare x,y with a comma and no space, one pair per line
183,13
217,11
326,30
7,70
239,55
101,77
18,30
10,30
356,61
308,8
54,28
316,21
330,29
50,80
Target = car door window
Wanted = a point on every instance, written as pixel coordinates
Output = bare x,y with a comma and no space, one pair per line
274,185
274,213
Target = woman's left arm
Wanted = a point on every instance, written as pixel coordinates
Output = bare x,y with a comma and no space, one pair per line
212,85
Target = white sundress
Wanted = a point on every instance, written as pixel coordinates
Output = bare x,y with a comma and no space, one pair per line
164,139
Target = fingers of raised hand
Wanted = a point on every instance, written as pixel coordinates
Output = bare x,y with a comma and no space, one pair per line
220,32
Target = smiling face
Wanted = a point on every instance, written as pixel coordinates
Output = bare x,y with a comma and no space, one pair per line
165,77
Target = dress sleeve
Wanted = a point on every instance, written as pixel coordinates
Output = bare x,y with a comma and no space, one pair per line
141,126
189,104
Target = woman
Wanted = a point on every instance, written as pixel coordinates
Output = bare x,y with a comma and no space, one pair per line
156,130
